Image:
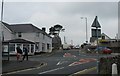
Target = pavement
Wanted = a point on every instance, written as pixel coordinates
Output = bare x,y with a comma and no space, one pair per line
11,66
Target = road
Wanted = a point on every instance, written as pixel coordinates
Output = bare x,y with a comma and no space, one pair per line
65,62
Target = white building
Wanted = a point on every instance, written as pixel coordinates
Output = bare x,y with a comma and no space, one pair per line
36,39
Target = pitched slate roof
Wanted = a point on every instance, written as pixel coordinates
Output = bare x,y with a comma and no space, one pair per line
24,28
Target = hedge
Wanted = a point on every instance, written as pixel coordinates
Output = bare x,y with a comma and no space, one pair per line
105,65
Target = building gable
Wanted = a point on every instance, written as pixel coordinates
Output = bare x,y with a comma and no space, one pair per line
5,25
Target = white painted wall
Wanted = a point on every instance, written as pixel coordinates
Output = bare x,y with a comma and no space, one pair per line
26,36
34,38
46,40
7,33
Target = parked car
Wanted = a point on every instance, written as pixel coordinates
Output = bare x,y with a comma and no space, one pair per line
103,50
66,47
107,51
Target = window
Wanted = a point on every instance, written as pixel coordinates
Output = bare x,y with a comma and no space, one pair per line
32,48
12,47
48,46
19,34
37,46
5,48
27,46
103,37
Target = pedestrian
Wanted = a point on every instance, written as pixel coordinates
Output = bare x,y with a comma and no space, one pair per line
25,53
19,53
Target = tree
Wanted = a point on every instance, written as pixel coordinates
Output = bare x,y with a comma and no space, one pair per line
56,40
51,30
56,29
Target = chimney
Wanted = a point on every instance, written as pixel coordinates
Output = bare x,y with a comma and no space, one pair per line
44,29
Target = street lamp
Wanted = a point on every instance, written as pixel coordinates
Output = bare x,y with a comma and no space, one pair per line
86,28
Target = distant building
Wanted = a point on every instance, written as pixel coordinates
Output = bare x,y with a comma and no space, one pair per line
106,41
93,40
36,39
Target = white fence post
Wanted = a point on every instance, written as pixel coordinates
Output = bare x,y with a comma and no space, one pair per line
114,69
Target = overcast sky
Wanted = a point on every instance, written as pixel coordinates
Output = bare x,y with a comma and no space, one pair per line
67,14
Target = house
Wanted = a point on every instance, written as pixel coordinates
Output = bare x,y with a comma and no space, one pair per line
106,41
36,39
93,40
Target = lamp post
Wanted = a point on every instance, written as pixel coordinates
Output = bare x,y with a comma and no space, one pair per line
86,28
1,21
1,36
1,25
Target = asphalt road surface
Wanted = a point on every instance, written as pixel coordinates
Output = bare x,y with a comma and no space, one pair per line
65,62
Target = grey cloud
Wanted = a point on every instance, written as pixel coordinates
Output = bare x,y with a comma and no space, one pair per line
105,9
24,9
66,13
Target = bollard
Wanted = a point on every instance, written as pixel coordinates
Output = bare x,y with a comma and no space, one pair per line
114,69
98,68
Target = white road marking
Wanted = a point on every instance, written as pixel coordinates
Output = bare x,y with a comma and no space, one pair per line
77,63
61,62
51,70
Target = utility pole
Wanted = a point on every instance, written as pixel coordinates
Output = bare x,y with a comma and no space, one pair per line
2,10
1,36
86,28
1,20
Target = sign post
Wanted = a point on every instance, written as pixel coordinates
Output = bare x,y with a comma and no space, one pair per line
97,34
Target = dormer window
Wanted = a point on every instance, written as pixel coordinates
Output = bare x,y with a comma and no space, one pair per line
19,34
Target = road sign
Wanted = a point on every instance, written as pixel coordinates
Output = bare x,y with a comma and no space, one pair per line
96,23
96,32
